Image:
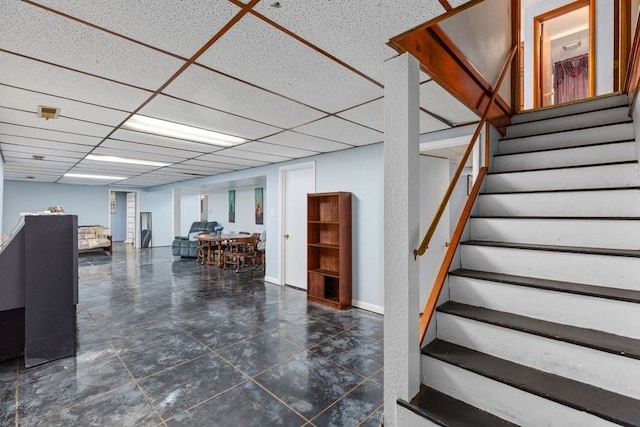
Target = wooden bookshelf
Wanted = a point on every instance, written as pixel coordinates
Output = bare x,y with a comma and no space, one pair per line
329,249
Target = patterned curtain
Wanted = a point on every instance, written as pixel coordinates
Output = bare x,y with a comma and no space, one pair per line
572,78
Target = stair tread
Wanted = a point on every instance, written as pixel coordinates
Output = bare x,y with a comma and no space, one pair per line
563,190
589,165
620,102
621,122
598,340
553,285
557,248
448,411
583,397
564,147
572,218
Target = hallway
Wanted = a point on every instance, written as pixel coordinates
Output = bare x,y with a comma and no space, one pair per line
163,341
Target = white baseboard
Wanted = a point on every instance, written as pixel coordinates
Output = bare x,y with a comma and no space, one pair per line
272,280
367,306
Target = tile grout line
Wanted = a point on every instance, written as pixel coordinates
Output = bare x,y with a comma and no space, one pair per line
368,417
135,382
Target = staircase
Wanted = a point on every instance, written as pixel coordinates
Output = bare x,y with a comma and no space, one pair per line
542,326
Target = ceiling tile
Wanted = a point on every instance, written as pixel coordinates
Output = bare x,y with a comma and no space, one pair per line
164,107
202,86
354,32
147,155
275,61
429,123
164,21
132,147
57,81
20,156
95,52
306,142
29,100
456,3
342,131
44,143
240,161
248,155
437,100
162,141
31,150
277,150
61,124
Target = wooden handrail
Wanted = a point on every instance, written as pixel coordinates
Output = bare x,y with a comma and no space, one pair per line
438,284
454,180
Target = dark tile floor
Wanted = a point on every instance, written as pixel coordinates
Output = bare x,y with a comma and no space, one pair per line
163,341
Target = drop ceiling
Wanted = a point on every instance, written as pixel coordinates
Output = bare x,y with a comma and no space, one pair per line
295,81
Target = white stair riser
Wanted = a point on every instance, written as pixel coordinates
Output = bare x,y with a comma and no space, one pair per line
592,118
618,203
575,156
605,370
597,233
600,270
573,138
625,175
509,403
408,418
577,108
612,316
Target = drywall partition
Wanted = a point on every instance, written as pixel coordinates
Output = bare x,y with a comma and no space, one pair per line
604,44
159,204
189,211
358,170
245,218
90,203
483,35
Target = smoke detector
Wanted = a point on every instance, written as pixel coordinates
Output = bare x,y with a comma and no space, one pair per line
48,112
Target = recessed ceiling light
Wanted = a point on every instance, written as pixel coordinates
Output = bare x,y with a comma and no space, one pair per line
116,159
82,175
175,130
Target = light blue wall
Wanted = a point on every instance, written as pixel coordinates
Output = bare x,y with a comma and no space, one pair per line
90,203
358,170
245,210
189,211
159,204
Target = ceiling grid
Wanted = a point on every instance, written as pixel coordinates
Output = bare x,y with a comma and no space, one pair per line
293,81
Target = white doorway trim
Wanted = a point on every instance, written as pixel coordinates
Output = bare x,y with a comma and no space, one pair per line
282,204
136,244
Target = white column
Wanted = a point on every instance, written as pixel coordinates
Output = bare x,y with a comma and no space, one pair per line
401,233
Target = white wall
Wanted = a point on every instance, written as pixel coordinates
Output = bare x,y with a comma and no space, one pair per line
189,211
90,203
245,209
483,34
159,204
604,44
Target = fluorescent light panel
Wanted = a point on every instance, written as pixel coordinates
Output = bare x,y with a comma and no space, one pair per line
175,130
116,159
82,175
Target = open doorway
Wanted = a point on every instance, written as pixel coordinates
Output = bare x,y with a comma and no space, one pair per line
122,218
564,59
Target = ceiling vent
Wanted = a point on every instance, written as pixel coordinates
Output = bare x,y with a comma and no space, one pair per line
37,157
48,112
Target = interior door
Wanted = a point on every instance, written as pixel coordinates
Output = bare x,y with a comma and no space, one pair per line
297,184
564,47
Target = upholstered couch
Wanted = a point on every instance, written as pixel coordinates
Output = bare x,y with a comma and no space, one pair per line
187,246
94,238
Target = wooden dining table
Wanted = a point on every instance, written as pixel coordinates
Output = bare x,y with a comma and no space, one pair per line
213,244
